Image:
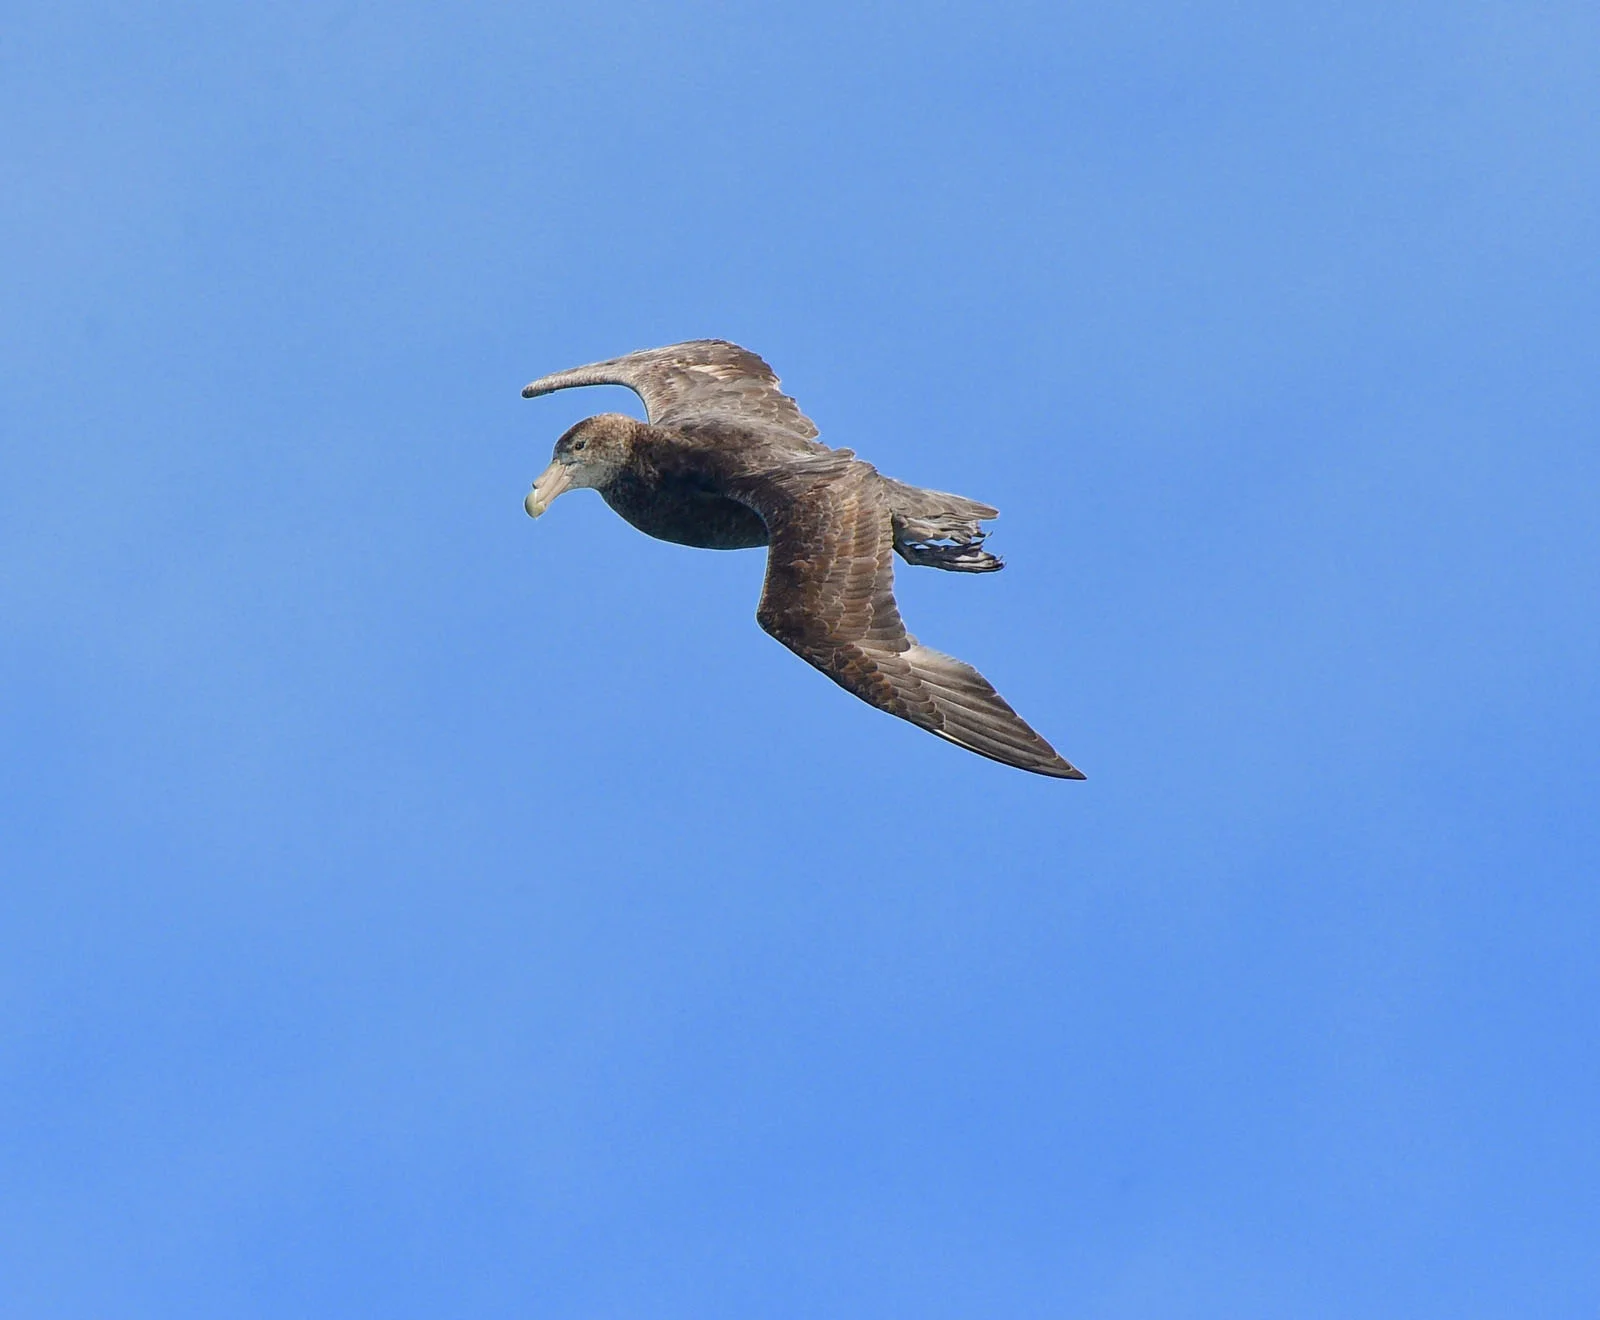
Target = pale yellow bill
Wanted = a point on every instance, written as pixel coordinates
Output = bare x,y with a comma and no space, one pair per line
550,483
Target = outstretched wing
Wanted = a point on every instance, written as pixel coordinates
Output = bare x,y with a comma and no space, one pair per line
829,597
698,380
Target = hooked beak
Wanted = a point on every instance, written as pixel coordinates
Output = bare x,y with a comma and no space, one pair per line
550,483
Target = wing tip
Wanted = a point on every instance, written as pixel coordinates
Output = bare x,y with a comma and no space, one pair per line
1060,768
1056,767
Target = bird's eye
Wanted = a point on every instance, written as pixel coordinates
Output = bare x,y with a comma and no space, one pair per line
579,444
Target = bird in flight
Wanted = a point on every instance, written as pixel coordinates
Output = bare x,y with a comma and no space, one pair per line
727,462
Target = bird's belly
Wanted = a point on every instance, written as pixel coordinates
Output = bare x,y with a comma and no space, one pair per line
689,517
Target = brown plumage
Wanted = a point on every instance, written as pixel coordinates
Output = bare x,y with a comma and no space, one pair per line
726,461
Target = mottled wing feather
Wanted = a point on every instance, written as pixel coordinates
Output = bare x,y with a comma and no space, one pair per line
829,597
695,381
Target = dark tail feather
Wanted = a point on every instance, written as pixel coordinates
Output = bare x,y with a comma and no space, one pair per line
951,543
937,530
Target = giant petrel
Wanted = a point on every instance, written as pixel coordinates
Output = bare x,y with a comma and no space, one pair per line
725,462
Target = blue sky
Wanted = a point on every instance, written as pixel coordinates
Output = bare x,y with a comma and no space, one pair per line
415,911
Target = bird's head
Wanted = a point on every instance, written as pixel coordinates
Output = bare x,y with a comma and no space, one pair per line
591,454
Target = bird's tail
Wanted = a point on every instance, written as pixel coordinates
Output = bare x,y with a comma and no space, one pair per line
937,530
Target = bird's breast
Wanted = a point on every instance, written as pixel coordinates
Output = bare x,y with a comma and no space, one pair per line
686,513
